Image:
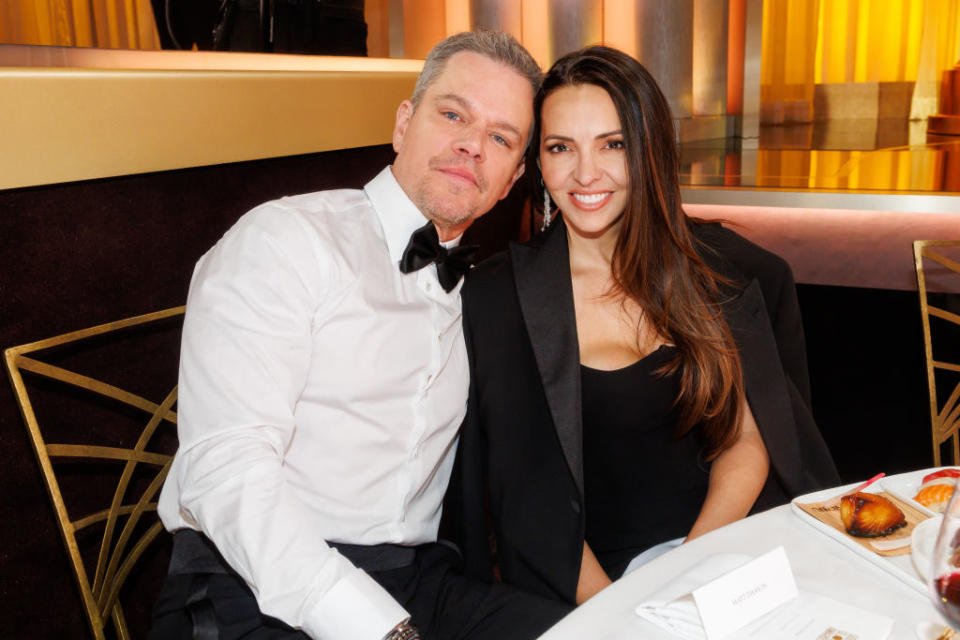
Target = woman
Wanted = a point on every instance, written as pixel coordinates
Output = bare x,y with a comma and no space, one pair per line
637,376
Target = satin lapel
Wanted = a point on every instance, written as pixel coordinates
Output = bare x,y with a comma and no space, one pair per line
766,385
542,273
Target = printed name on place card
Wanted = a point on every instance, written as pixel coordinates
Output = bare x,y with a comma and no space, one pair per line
736,599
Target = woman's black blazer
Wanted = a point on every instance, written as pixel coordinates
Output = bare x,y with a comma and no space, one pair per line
519,466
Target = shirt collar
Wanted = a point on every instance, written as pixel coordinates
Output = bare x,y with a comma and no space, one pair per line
397,214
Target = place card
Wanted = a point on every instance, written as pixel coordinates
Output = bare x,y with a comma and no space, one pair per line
743,595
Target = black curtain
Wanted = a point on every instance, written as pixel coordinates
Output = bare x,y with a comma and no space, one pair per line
320,27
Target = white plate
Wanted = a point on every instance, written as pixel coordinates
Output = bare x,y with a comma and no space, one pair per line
906,485
899,566
929,630
922,540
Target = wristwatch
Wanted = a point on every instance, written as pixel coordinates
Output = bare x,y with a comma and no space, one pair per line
403,631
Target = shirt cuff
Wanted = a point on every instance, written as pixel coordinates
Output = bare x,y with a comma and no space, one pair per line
356,608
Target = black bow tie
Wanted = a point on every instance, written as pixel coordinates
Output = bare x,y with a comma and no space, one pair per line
424,248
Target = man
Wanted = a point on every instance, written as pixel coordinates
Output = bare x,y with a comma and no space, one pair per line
323,377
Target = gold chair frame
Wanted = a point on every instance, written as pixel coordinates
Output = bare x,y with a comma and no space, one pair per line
114,560
945,419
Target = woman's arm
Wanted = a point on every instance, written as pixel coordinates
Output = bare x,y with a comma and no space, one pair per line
592,576
736,479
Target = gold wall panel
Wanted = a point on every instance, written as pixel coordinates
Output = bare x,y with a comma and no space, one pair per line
62,125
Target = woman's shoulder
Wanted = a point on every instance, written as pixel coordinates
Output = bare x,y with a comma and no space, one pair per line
490,275
732,255
500,268
493,267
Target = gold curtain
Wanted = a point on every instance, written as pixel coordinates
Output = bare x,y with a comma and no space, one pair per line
939,51
109,24
809,42
788,47
868,40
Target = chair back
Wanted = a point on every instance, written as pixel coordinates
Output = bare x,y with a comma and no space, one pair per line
938,274
103,449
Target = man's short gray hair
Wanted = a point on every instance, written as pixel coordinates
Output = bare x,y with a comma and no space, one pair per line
498,46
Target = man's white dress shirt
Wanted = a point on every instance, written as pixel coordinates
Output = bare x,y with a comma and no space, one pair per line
320,395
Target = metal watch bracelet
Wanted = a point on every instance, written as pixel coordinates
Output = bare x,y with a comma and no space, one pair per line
403,631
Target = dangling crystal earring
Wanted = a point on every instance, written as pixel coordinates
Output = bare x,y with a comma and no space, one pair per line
546,210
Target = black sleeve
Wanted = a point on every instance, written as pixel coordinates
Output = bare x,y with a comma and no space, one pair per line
739,259
465,521
784,310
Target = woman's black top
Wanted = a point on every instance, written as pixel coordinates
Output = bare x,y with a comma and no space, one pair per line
642,484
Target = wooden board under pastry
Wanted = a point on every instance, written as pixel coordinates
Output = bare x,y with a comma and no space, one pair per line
830,515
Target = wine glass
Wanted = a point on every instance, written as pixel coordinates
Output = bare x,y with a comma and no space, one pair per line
945,568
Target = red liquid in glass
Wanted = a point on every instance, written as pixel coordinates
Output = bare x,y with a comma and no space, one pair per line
948,587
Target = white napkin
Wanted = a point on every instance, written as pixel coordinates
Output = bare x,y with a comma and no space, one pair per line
653,552
673,608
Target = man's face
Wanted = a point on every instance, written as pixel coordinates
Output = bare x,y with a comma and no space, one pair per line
461,149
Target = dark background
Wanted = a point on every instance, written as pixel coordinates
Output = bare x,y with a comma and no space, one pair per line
80,254
317,27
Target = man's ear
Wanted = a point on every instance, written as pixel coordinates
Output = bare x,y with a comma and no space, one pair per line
513,180
404,112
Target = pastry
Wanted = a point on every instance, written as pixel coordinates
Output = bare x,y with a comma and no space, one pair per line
868,515
936,489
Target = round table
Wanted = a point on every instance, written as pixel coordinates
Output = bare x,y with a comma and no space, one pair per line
820,565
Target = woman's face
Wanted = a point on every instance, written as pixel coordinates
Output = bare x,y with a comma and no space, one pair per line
582,158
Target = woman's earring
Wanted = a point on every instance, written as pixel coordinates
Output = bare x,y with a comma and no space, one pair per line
546,210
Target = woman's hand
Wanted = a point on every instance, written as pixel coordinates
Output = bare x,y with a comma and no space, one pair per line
592,576
736,479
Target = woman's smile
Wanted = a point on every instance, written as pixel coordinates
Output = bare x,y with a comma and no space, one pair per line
590,201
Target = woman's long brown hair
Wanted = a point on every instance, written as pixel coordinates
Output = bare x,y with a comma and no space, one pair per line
655,261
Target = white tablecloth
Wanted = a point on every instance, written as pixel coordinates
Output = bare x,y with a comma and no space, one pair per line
820,565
